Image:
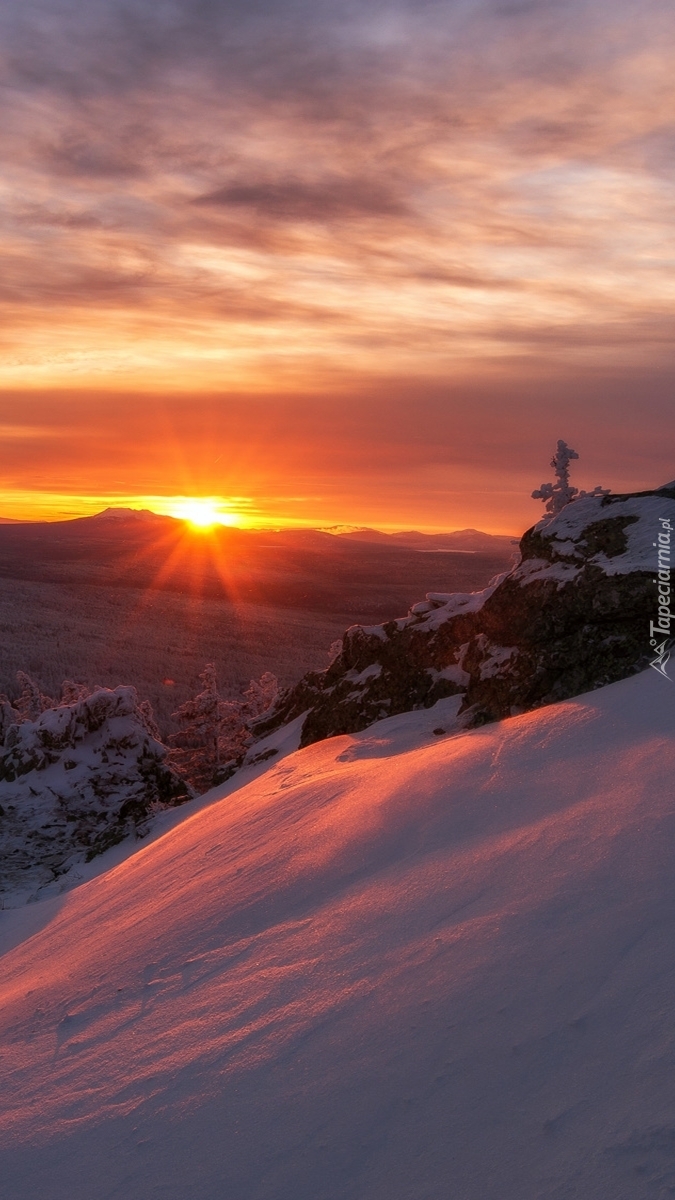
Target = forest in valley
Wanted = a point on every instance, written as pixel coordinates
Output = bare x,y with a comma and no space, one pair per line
206,629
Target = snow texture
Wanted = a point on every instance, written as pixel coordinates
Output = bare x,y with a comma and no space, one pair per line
566,532
441,606
498,656
396,966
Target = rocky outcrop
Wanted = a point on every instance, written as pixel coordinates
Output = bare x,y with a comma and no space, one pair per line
77,780
572,616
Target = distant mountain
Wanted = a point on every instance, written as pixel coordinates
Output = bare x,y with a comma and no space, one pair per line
465,541
306,569
471,541
121,516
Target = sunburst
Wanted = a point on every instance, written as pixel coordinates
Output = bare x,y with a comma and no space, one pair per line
202,513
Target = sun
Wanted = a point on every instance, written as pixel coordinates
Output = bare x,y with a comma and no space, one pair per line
202,513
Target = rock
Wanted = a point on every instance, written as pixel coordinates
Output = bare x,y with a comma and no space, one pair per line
572,616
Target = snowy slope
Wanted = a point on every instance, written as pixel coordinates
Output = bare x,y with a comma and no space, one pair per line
397,966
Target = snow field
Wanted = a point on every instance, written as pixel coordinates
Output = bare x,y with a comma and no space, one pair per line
395,965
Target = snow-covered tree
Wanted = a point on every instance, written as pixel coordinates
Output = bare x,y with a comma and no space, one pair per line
147,719
597,491
196,747
559,494
260,695
215,732
72,692
31,702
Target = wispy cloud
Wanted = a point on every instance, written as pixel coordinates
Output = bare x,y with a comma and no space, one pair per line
321,201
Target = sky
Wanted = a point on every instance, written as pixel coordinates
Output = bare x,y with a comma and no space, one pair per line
334,263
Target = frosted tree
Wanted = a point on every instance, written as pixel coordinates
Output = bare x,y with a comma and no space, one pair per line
72,692
8,716
147,718
216,733
561,493
196,750
260,695
31,702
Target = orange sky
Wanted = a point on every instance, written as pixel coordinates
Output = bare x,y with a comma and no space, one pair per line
405,455
334,263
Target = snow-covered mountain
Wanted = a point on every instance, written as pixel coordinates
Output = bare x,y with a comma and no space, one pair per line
573,615
395,966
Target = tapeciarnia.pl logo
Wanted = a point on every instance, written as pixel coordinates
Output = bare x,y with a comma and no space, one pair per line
661,627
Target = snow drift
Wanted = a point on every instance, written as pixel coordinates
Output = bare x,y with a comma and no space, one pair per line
397,966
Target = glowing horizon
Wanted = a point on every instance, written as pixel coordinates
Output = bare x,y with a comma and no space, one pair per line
203,513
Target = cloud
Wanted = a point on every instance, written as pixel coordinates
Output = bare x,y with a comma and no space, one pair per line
244,191
300,200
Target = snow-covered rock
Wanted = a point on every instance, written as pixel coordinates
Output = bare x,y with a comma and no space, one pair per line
572,615
74,782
